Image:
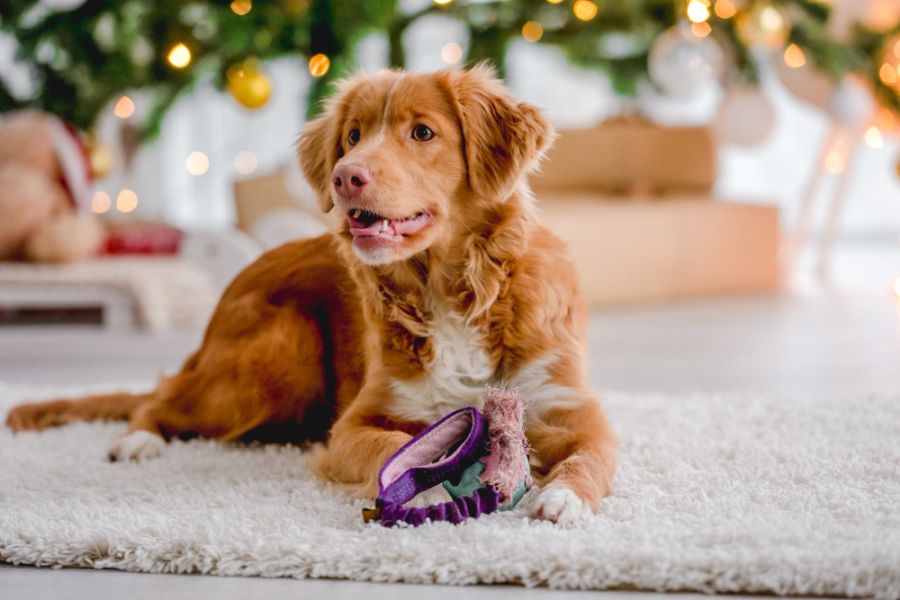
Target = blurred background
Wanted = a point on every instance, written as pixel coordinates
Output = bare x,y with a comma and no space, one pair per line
727,175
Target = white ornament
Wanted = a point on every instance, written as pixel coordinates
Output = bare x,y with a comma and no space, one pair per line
746,117
852,103
680,62
807,83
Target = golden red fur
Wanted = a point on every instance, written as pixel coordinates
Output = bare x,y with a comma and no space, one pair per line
447,284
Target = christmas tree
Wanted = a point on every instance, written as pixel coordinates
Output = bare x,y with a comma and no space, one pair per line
86,57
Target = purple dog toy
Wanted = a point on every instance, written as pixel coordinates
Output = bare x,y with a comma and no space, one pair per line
481,459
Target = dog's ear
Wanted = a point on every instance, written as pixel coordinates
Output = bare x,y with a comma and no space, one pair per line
318,150
502,138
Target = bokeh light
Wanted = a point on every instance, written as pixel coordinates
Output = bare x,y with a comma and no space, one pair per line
532,31
873,137
126,201
451,53
585,10
100,202
245,162
319,65
197,163
124,107
701,30
835,162
241,7
179,56
697,11
794,56
725,9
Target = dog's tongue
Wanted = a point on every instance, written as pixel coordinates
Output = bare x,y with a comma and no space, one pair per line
360,230
388,228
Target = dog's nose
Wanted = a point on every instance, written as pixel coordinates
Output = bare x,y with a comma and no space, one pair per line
349,180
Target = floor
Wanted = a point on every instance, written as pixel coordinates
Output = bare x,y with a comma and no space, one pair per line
839,335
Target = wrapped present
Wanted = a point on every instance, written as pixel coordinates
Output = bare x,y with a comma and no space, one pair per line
634,202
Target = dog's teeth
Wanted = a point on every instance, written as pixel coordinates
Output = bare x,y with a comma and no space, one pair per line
384,226
356,213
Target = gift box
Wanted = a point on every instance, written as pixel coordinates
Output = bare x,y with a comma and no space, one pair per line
642,250
630,156
634,202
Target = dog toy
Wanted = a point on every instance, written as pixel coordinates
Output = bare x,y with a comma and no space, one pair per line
480,458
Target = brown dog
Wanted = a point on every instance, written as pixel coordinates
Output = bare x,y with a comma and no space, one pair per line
441,281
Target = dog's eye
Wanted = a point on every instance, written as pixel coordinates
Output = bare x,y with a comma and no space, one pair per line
353,136
421,133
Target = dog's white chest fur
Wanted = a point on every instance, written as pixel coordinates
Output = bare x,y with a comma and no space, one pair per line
456,377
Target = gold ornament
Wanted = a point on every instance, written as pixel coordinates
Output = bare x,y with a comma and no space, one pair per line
763,25
249,86
100,159
319,64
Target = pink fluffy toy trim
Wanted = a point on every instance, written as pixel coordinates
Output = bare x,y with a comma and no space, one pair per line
504,410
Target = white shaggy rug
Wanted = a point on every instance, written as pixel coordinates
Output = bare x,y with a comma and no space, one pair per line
716,493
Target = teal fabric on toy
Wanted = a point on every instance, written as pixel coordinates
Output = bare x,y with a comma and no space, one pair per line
471,480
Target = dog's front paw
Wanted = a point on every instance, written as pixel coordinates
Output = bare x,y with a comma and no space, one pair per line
559,504
136,445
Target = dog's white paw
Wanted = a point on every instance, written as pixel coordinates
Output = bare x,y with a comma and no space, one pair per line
137,445
559,504
436,495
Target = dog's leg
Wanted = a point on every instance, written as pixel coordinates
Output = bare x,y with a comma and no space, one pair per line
360,441
106,407
578,451
354,455
192,405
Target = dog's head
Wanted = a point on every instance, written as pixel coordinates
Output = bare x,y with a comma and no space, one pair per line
408,158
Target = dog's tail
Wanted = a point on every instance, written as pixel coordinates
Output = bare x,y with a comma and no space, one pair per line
104,407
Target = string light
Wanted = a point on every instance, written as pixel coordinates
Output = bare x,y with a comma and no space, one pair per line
554,1
126,201
873,137
179,56
698,11
241,7
701,30
197,163
725,9
100,202
770,19
319,65
834,161
887,74
124,107
532,31
794,56
443,2
245,162
451,53
585,10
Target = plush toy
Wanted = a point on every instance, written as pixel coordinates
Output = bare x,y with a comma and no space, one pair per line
481,459
45,192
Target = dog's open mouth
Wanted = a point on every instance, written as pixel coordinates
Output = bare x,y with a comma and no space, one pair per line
367,224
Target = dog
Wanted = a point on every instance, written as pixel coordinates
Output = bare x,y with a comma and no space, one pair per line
440,281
